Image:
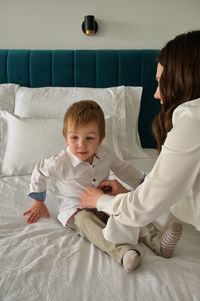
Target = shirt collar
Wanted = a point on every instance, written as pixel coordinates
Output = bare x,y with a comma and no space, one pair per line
100,153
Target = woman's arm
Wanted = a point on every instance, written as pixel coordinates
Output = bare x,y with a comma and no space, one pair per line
92,194
163,187
170,180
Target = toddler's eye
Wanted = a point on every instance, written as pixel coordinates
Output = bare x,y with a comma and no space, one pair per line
90,138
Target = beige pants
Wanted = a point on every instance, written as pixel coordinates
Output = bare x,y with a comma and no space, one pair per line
90,223
151,237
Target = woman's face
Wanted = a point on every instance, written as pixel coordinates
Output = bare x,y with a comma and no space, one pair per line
158,75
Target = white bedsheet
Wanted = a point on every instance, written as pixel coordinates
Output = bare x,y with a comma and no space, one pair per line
46,262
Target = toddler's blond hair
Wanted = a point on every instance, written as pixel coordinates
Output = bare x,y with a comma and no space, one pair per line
81,113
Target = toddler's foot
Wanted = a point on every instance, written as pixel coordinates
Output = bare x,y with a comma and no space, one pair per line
131,260
170,238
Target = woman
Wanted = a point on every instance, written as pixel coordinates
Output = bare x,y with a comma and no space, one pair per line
174,182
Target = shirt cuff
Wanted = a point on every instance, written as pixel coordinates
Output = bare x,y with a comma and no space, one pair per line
38,196
105,203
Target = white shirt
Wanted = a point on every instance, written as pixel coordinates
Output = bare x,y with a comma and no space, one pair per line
73,175
174,181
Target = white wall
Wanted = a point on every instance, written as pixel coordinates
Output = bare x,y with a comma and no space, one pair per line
123,24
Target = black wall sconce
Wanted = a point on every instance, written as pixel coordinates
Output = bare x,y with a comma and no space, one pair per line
89,25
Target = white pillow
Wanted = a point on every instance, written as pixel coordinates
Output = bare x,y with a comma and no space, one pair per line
52,102
27,140
123,102
111,140
132,148
7,97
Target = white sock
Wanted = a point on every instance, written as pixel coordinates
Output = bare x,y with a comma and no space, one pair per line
131,260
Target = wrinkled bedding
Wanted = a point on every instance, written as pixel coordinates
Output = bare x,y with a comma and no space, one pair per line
47,262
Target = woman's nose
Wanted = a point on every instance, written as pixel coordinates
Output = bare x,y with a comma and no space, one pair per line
157,94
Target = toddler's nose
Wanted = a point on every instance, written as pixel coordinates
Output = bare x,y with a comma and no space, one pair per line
81,143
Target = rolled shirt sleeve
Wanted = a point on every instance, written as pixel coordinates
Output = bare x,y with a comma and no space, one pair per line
39,196
127,172
43,170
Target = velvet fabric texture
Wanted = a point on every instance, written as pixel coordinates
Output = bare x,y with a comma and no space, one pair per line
87,68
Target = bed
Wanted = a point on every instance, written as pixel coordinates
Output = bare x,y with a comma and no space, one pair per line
45,261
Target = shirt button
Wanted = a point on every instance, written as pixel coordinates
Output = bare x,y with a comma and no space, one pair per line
94,180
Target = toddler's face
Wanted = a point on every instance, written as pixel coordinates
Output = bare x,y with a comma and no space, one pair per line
83,140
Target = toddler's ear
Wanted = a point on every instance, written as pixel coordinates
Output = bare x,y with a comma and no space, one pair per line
65,139
100,140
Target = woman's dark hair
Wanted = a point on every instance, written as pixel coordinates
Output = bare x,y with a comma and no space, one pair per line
179,81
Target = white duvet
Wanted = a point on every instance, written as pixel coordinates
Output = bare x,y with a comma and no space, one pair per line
47,262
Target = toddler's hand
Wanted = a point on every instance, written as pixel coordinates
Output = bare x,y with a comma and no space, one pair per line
107,189
112,187
38,210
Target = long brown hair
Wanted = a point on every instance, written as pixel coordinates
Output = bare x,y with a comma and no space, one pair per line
179,81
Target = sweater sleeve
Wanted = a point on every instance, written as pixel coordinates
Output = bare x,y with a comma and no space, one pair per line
171,179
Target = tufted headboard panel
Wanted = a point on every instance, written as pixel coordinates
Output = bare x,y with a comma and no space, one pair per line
87,68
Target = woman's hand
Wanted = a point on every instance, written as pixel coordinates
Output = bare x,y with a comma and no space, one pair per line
112,187
38,210
90,197
92,194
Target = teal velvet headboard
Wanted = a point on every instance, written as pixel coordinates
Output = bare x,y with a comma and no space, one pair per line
87,68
